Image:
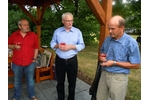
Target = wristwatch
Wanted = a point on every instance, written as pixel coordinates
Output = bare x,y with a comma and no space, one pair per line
114,63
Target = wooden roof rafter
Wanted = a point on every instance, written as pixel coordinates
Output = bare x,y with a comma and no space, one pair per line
27,13
97,10
34,2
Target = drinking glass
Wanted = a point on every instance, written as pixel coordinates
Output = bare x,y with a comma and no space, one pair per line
10,52
103,55
19,44
62,43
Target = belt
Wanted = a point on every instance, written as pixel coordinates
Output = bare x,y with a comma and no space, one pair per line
67,58
109,72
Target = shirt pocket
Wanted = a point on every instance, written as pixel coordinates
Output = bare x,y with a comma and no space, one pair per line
122,54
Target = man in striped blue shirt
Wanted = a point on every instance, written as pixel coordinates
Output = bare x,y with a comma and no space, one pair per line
67,41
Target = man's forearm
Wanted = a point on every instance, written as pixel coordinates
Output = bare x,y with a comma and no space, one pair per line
11,46
128,65
35,53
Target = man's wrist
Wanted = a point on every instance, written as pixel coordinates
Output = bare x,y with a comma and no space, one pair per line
34,58
14,46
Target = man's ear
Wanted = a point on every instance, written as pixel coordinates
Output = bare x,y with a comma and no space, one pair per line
19,26
62,21
122,27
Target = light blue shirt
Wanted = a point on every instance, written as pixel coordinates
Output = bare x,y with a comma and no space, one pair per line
125,49
73,37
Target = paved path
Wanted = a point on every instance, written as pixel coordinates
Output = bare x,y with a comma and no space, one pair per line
46,90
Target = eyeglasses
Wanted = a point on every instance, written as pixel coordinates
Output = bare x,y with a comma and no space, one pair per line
68,20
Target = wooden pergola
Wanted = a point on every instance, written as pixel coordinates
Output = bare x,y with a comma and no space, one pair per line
102,11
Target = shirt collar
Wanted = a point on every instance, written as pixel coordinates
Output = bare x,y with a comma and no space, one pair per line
63,29
121,39
18,32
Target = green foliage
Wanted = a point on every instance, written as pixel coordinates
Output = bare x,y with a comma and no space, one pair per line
14,15
83,18
131,11
134,20
87,23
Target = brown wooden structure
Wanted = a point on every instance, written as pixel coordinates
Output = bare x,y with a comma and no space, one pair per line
45,72
10,72
102,11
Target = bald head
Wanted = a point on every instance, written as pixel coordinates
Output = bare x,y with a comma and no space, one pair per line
116,27
117,20
20,21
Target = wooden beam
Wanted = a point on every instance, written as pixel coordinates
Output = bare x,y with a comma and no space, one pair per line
107,6
28,13
38,27
38,15
97,10
104,32
42,13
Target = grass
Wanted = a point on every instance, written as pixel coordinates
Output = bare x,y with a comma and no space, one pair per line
87,61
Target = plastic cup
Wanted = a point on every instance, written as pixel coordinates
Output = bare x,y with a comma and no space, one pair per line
62,43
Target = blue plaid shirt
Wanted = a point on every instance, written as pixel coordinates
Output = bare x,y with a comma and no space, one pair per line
125,49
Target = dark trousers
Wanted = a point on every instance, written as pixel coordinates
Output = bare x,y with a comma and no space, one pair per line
63,67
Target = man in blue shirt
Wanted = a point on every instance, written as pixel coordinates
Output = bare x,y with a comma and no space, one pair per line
122,54
67,41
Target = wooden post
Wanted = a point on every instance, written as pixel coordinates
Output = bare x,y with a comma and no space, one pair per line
104,32
38,27
38,17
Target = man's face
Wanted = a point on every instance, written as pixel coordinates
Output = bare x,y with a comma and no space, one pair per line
115,30
24,27
68,21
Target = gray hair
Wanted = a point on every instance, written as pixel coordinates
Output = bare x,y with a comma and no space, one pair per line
20,22
121,21
66,14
